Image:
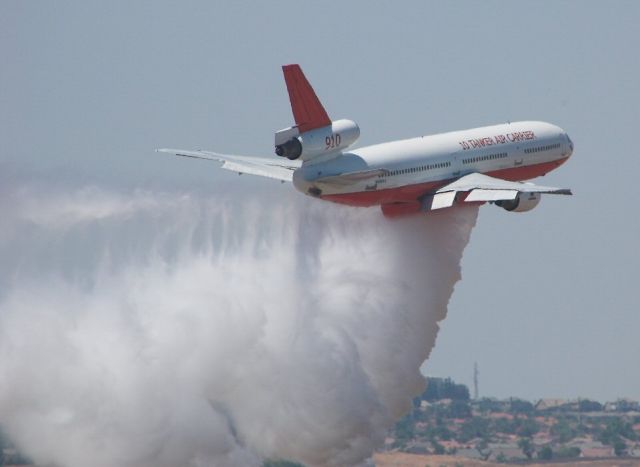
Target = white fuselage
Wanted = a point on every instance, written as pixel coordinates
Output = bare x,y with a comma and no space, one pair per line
413,167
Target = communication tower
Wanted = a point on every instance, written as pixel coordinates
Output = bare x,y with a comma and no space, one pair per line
476,373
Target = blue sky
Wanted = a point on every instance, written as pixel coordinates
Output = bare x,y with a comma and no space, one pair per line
548,304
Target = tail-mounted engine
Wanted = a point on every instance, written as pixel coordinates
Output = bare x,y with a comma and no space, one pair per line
521,203
317,142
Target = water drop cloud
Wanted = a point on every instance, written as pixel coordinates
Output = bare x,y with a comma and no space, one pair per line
143,328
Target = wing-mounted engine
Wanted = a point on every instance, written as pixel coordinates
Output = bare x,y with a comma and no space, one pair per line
333,138
521,203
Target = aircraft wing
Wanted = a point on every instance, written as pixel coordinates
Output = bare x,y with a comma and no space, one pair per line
262,166
484,188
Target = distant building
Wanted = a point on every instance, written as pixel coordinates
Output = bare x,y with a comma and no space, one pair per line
469,453
502,415
542,438
508,450
590,447
418,447
627,405
604,451
546,404
451,446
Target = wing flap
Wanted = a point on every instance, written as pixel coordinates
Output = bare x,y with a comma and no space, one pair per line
491,195
438,201
349,178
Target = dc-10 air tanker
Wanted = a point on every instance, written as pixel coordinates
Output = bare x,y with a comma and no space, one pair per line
411,176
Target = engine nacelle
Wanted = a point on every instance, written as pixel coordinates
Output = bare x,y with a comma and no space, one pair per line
521,203
291,149
313,143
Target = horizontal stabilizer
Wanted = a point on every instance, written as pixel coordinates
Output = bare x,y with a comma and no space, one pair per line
266,167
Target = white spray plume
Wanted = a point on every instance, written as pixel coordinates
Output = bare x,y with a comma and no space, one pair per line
144,329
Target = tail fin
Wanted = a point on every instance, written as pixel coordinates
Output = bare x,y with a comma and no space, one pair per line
308,112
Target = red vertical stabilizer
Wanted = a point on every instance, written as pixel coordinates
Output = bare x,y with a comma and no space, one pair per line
308,112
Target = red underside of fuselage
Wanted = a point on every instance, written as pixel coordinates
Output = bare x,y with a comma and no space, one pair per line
410,193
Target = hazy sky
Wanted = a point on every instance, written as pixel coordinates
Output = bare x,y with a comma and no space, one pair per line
548,304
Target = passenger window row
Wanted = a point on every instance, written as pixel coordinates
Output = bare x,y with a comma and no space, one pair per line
438,165
542,148
488,157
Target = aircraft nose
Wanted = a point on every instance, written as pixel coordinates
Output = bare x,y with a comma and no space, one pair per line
570,143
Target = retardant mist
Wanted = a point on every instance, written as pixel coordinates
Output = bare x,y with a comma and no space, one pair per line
144,329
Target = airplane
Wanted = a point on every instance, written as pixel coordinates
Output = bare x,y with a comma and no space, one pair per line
404,177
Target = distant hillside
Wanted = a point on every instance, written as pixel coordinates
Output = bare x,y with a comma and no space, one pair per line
446,428
444,421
